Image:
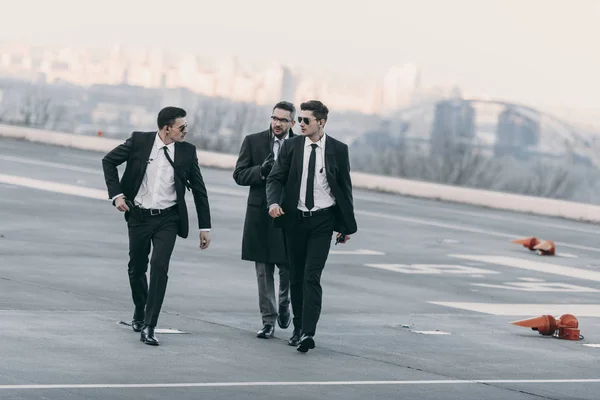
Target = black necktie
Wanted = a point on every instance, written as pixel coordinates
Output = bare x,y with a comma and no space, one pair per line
310,182
185,182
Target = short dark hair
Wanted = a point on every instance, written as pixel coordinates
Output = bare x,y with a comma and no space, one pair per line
319,110
168,115
287,106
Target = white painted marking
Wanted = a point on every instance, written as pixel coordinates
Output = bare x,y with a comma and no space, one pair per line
82,191
360,252
531,279
592,345
539,287
463,228
488,215
537,266
55,187
429,269
51,164
580,310
566,255
166,330
233,192
298,383
452,241
431,332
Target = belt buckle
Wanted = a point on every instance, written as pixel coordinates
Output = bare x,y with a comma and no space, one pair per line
307,213
152,211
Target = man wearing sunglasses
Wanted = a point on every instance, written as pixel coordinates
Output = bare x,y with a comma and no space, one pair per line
313,174
262,242
160,167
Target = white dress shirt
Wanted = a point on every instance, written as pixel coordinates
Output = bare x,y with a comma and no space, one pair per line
158,186
322,192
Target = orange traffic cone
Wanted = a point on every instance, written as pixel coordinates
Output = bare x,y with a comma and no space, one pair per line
546,324
545,248
528,242
568,327
567,321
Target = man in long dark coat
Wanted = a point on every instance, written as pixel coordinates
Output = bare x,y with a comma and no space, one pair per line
262,242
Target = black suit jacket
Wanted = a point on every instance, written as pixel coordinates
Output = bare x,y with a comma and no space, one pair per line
135,152
261,241
283,183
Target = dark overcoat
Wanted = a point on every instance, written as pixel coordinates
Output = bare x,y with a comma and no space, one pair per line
261,240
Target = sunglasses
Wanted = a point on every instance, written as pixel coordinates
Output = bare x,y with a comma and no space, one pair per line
182,128
306,120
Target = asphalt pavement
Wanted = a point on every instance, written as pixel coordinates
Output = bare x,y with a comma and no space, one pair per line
417,304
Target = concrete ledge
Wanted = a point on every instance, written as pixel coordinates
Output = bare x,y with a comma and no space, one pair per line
478,197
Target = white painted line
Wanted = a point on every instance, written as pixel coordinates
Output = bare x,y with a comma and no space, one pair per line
539,287
233,192
166,330
592,345
537,266
82,191
452,241
580,310
432,332
431,269
487,215
55,187
239,193
463,228
531,279
299,383
51,164
359,252
566,255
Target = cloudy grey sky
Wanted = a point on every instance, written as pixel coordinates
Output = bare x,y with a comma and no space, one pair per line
541,52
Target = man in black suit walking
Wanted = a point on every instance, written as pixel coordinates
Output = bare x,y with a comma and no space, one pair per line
312,173
262,242
151,193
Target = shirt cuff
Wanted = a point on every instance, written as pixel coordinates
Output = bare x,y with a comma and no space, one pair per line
205,230
273,206
115,197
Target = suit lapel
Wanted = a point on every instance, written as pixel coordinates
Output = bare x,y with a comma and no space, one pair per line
330,162
145,152
299,159
178,155
268,142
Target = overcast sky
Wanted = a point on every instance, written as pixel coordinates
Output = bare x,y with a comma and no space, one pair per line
541,52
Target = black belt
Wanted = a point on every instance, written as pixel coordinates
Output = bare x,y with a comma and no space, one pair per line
154,211
320,211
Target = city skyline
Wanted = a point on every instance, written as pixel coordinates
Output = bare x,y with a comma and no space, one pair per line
230,78
535,52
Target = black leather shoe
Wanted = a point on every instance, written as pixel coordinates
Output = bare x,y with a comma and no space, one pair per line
147,336
295,339
284,318
306,343
137,325
268,331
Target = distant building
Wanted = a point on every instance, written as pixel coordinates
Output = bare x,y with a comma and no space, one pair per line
399,87
516,133
454,121
278,84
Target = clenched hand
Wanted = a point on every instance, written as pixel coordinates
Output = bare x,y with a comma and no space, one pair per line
204,239
120,204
